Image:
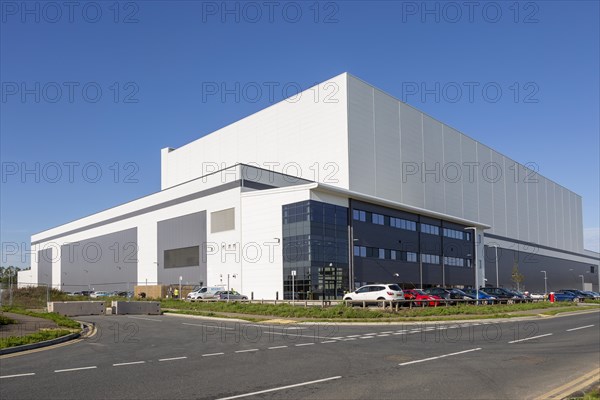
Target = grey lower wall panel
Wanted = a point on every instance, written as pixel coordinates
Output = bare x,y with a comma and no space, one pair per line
45,266
175,233
104,263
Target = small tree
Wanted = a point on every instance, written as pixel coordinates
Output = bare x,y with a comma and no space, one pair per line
517,276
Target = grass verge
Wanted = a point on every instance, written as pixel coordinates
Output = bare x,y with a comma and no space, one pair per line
58,319
345,313
6,321
40,336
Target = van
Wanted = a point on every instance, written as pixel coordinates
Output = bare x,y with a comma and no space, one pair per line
205,292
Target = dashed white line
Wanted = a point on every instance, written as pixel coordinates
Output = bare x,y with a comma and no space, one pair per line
366,337
281,388
581,327
304,344
529,338
399,333
437,357
246,351
172,358
383,335
17,375
277,347
330,341
212,354
74,369
353,336
370,334
129,363
387,332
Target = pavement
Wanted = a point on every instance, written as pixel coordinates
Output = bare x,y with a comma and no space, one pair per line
25,325
170,356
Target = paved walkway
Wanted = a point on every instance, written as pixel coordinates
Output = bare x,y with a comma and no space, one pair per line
25,325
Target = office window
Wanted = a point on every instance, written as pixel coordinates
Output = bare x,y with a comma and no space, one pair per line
359,215
403,224
410,256
430,229
382,254
430,258
377,219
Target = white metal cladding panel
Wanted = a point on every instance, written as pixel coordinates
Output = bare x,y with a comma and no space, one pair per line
452,172
512,205
542,210
486,199
579,217
522,200
262,224
567,217
574,224
533,209
431,170
306,129
551,213
361,138
470,178
560,223
498,177
388,165
411,145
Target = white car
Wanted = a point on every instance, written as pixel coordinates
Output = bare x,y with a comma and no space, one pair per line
99,293
204,293
537,296
380,291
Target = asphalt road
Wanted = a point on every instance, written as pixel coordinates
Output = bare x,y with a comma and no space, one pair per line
174,357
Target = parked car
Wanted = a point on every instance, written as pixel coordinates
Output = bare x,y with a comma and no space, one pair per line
205,292
99,293
483,296
595,294
418,294
229,295
503,295
383,291
523,297
537,296
447,294
579,293
561,295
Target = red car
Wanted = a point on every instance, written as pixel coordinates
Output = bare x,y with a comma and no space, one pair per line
417,294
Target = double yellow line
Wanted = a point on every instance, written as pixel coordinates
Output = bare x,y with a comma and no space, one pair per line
568,388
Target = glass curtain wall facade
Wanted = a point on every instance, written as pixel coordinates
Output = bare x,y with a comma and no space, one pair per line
315,250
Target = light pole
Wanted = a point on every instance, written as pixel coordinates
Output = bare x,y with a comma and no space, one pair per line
293,294
180,294
545,283
582,282
475,263
495,246
233,276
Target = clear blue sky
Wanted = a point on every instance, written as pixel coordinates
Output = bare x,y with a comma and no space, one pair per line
158,55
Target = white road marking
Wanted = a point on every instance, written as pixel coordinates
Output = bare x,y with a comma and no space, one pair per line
353,336
281,388
387,332
172,359
290,334
304,344
437,357
208,326
146,319
529,338
17,375
370,334
277,347
383,335
129,363
330,341
246,351
399,333
581,327
366,337
212,354
74,369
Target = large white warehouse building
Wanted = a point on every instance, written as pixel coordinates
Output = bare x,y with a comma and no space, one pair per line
338,186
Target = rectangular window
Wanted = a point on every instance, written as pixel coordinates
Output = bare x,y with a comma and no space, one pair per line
430,258
411,257
382,254
359,215
223,220
184,257
377,219
430,229
454,234
403,224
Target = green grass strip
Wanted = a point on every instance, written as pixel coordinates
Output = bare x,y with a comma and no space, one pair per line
37,337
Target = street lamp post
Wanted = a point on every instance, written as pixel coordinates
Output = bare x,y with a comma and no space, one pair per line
582,282
293,288
495,246
545,283
475,263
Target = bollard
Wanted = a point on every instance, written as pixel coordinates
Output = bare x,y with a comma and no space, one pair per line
551,297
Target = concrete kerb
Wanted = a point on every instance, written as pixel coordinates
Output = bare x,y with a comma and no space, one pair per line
87,329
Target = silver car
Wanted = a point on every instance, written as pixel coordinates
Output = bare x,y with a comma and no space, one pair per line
229,295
